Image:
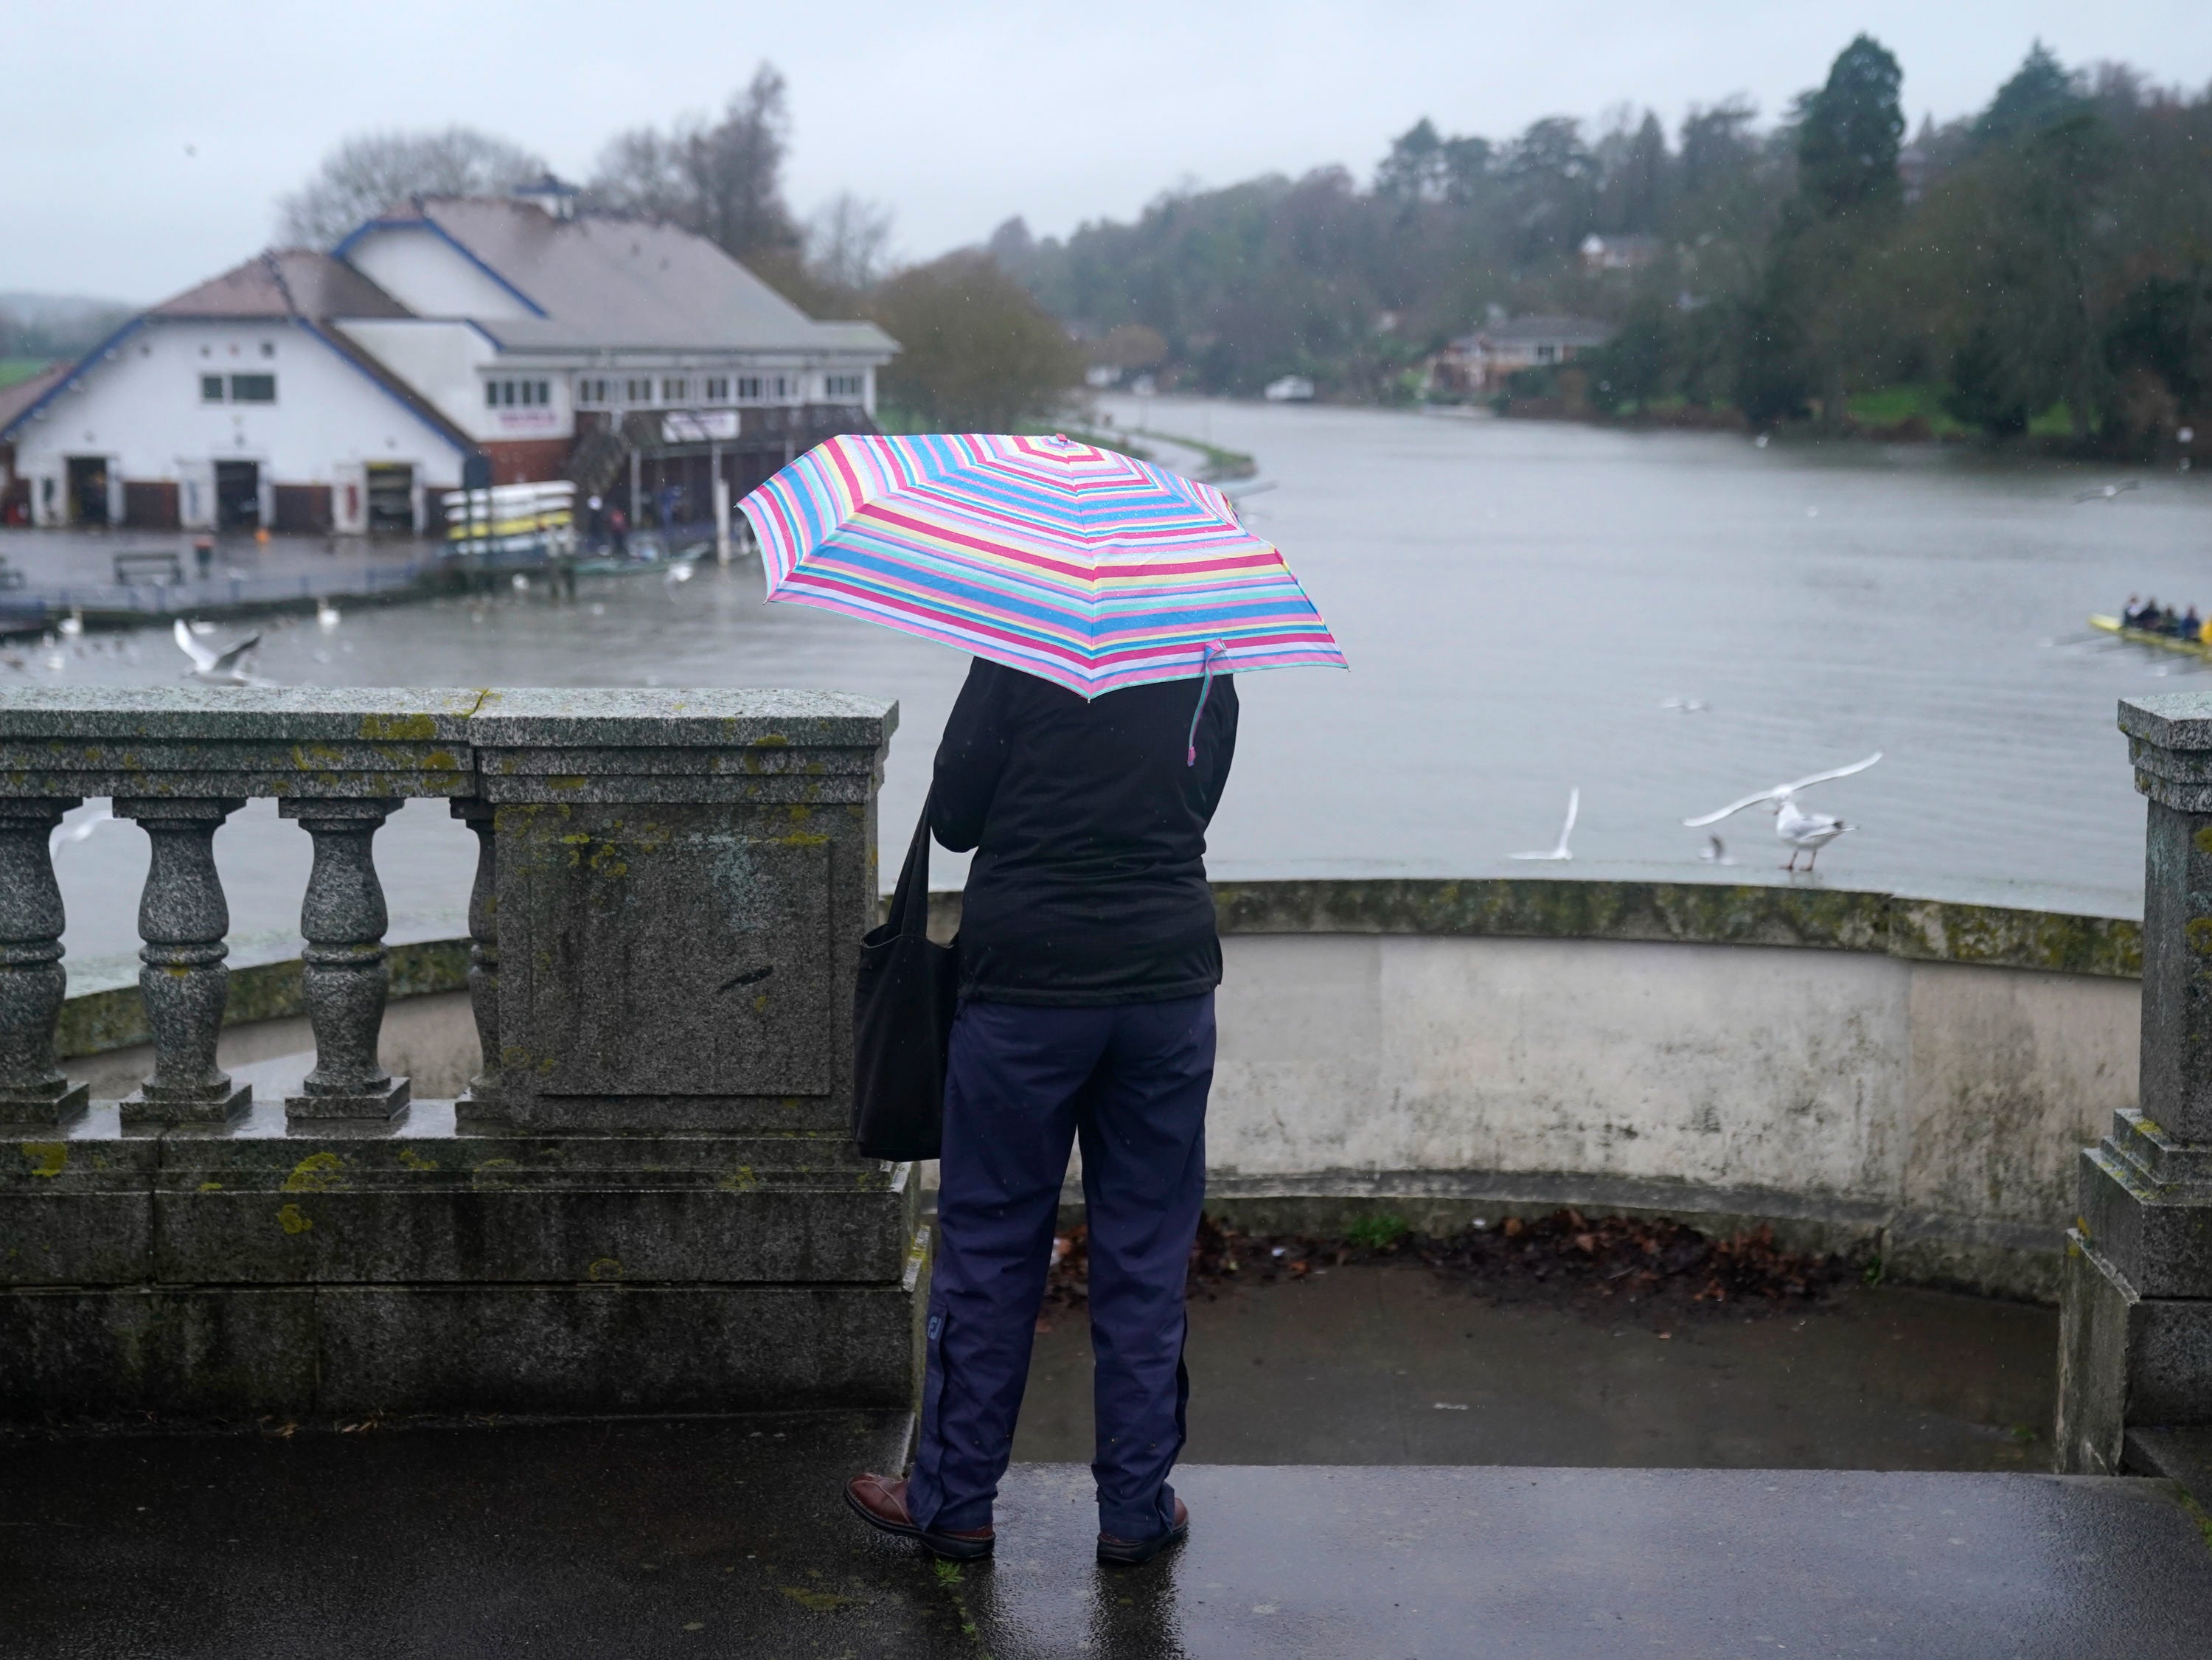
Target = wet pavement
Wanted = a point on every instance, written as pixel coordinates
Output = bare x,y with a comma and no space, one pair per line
1394,1365
717,1536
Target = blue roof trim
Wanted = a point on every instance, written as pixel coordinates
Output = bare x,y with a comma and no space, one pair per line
425,223
497,345
354,363
77,371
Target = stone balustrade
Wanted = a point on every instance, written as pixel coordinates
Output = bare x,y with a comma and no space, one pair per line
669,893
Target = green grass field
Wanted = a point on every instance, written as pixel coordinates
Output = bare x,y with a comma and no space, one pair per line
13,369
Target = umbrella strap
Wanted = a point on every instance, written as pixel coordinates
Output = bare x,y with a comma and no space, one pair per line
1213,647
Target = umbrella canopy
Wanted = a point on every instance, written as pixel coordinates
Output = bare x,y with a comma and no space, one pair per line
1078,564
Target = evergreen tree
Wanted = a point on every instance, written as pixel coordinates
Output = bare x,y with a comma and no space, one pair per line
1847,144
2040,93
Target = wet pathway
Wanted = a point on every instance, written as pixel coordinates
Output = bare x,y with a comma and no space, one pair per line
1393,1364
727,1536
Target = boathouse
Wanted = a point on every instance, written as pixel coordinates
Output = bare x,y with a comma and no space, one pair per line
344,391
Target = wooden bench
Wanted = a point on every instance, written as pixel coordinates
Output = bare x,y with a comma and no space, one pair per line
131,568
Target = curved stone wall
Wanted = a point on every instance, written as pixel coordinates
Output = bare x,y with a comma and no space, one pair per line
1909,1075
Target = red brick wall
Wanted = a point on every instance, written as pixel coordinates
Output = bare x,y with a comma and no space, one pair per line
529,461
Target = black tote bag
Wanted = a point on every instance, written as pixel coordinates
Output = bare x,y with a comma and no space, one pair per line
902,1006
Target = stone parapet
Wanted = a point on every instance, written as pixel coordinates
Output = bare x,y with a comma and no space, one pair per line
671,893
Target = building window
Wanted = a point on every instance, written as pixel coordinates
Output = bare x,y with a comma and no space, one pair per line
718,388
748,388
675,389
252,388
1548,354
843,386
211,389
782,387
637,391
592,391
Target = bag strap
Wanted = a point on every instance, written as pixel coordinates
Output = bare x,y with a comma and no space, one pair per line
910,900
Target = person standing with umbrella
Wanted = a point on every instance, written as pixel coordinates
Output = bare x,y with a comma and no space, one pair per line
1108,602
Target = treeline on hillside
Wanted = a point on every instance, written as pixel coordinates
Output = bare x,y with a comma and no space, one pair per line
2048,259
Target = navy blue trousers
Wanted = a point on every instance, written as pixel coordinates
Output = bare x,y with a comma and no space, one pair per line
1023,1083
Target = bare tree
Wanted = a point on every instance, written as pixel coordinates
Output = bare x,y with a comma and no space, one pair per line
848,241
373,171
724,181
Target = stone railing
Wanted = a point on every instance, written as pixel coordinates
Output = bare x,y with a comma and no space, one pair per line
2135,1337
670,892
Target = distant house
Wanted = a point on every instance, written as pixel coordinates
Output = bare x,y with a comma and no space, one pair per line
1480,361
1629,252
345,391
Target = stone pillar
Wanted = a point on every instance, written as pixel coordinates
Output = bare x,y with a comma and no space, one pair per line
342,919
683,878
481,1100
2136,1339
183,918
33,1090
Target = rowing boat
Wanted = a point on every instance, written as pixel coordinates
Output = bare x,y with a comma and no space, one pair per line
2198,648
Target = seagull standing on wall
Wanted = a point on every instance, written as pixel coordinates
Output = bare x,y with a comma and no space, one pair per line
1574,805
1805,832
213,670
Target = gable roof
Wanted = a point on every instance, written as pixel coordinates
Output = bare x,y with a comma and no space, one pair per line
605,282
297,286
285,282
1561,330
19,396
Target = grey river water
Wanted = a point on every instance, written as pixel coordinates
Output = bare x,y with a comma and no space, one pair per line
1518,601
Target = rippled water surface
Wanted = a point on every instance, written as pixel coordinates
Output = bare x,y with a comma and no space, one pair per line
1519,601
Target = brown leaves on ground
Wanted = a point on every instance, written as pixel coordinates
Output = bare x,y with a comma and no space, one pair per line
1565,1258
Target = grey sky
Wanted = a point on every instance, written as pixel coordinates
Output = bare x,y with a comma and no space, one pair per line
955,114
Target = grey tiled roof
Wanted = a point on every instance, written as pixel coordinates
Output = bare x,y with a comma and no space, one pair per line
615,283
285,282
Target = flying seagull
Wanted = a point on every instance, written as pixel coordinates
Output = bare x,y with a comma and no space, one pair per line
2106,492
1805,832
81,829
1574,804
214,671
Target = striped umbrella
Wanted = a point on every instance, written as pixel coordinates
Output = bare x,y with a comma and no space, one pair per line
1078,564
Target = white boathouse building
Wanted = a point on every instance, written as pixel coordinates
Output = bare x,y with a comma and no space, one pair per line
344,391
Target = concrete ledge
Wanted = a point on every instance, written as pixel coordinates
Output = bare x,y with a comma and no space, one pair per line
1681,913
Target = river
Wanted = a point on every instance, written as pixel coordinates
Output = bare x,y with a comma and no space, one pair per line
1520,602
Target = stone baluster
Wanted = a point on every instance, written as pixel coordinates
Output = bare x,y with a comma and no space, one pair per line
484,952
183,918
2136,1326
345,977
33,1090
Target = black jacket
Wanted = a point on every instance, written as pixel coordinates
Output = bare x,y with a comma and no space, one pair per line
1087,886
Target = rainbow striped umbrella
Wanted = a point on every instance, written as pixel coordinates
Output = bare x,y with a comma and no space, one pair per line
1078,564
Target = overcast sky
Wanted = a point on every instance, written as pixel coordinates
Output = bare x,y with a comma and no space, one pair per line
142,145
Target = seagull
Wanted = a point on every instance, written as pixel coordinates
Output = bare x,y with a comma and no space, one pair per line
1574,804
327,616
1805,832
215,671
72,625
681,570
2107,492
80,829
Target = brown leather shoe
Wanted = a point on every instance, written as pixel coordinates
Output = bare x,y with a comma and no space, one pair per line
881,1503
1127,1553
